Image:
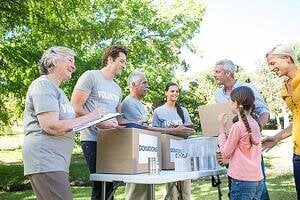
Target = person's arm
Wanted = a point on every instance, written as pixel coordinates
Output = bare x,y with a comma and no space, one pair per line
119,108
78,100
269,142
263,118
177,131
229,143
187,119
51,124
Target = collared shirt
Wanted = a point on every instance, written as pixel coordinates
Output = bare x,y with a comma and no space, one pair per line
291,95
260,104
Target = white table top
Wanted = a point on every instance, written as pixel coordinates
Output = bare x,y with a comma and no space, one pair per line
165,176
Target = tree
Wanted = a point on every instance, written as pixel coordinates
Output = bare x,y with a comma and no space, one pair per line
153,33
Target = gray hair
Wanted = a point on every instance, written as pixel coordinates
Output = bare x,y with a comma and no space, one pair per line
134,76
227,65
51,55
283,50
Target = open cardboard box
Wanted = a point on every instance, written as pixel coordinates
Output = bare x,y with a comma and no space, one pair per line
209,115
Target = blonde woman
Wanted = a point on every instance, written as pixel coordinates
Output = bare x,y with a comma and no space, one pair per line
283,62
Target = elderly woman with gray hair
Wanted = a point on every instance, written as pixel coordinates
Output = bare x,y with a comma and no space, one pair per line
48,122
283,62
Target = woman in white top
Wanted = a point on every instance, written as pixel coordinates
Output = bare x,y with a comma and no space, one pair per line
171,115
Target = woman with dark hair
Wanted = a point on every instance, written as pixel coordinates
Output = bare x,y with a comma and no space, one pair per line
171,116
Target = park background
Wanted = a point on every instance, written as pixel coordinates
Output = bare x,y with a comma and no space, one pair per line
170,40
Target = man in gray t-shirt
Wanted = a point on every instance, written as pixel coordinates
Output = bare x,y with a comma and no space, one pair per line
97,88
134,112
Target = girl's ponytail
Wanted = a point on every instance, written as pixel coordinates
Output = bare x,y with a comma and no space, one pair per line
248,128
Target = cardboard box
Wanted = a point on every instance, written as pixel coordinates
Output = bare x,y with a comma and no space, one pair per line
126,151
170,145
209,115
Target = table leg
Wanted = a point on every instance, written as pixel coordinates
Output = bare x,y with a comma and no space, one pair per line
151,192
180,189
103,188
219,192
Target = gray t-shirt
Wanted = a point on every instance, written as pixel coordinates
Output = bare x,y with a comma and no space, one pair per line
165,117
104,93
43,152
133,110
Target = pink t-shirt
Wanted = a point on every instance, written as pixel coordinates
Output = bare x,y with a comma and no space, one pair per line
244,159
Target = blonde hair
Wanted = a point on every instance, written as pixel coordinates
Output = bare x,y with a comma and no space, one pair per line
283,50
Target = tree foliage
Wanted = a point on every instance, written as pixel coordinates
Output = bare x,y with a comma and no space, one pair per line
154,33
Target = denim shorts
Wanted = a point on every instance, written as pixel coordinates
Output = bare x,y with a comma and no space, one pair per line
245,190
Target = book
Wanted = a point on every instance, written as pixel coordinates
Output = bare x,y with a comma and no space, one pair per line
92,123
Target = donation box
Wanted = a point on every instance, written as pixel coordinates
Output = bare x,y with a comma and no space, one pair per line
170,146
126,151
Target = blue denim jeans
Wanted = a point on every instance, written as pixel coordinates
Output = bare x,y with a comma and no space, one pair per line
245,190
265,193
296,168
90,154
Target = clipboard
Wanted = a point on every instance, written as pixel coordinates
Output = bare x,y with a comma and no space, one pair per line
92,123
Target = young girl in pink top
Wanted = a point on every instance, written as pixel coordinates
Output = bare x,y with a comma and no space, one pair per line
242,145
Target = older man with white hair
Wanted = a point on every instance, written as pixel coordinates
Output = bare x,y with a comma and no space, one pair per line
224,76
134,113
132,105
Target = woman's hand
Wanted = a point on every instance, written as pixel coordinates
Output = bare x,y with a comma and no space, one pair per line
269,142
